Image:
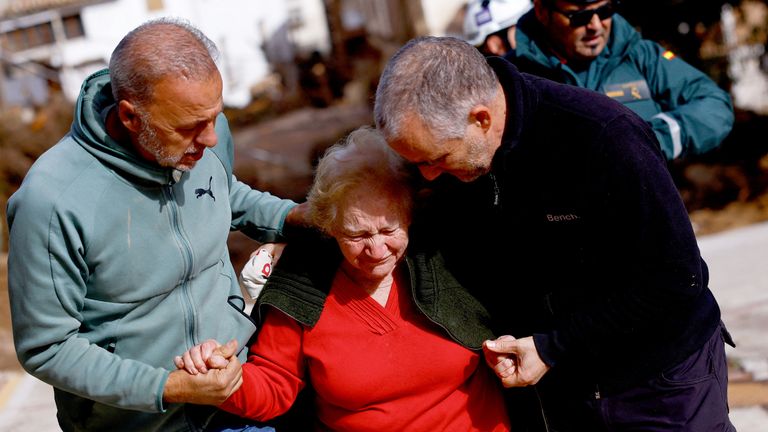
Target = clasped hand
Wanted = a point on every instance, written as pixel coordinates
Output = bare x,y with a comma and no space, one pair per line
207,374
515,361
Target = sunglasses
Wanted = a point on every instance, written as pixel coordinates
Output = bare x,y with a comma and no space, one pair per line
583,17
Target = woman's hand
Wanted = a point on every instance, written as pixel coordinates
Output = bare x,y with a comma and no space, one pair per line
208,355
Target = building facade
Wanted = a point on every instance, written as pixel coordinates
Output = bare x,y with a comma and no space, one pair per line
60,42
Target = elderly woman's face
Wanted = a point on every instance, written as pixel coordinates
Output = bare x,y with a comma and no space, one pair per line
372,232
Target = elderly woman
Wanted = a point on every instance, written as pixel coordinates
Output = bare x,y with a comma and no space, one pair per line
389,340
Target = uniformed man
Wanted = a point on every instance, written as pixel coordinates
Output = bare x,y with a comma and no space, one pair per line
587,44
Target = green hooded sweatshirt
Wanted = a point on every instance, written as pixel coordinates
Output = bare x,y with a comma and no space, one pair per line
116,265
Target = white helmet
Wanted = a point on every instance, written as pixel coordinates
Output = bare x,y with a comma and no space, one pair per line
484,17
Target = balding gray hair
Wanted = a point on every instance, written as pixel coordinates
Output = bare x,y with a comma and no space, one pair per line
438,79
158,49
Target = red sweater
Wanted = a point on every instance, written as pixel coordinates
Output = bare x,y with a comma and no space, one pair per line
373,368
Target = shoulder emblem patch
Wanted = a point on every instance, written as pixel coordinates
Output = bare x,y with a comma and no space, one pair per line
628,91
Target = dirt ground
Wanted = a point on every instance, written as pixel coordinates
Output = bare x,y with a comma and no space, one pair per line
733,215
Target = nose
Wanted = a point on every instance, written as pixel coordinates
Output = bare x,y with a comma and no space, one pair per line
595,23
430,172
207,136
377,247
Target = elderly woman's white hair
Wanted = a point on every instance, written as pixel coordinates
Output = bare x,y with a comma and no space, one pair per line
361,160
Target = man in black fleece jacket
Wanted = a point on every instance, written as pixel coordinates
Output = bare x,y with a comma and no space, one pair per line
574,237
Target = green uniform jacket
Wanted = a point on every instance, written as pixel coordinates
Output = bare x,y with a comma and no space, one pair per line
689,113
117,265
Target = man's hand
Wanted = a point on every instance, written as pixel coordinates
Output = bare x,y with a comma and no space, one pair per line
502,364
211,388
298,216
515,361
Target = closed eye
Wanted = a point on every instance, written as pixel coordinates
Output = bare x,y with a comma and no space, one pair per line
433,162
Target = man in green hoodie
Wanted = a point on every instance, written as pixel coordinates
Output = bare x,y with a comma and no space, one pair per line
587,44
118,253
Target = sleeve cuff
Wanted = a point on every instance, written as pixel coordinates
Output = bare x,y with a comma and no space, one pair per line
547,350
161,390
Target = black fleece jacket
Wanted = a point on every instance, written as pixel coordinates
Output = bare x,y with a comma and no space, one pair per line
580,237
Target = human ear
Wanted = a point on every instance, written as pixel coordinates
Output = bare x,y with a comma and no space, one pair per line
128,115
541,12
481,116
495,45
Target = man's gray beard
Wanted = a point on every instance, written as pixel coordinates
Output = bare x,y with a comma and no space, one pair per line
477,166
148,141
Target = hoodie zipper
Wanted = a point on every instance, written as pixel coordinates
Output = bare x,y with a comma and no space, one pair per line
498,211
541,408
185,248
496,191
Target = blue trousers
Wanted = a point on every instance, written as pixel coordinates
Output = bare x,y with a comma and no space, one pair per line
225,422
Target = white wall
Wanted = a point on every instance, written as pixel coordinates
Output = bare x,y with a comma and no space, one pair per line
439,13
238,28
313,35
234,26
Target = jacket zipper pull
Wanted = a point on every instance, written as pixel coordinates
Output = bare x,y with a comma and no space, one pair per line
175,177
496,192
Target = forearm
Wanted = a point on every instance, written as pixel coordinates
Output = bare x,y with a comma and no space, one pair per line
264,394
696,113
694,128
81,368
210,388
260,215
636,312
273,375
47,320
